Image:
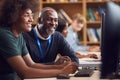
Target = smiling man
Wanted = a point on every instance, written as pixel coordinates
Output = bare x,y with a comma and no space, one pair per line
44,43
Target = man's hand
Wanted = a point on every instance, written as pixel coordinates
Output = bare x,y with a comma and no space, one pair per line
62,59
87,56
94,49
92,56
71,67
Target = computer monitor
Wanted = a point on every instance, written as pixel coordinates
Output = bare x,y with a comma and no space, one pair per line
110,43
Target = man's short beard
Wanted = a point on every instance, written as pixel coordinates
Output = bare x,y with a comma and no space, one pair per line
48,32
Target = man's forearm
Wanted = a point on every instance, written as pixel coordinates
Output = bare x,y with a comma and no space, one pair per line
35,73
43,66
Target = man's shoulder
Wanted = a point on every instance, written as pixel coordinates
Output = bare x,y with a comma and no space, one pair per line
57,36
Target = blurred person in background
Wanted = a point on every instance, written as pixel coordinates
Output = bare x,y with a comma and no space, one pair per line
63,29
77,24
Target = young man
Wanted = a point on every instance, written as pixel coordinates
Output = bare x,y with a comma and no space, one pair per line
72,37
17,16
44,43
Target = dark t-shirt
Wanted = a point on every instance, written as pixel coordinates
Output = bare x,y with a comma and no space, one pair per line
57,45
10,46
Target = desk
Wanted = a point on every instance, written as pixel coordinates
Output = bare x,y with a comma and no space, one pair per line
83,63
95,76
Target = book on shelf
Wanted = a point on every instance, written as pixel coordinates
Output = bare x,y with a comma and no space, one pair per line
91,35
62,14
88,16
97,14
94,34
94,14
99,32
91,13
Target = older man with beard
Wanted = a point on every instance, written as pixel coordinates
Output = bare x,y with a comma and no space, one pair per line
44,43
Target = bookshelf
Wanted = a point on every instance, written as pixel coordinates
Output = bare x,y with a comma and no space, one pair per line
66,6
91,7
94,24
79,6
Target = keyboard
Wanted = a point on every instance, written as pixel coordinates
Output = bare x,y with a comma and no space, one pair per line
84,73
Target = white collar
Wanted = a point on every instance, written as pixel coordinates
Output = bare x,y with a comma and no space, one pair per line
38,34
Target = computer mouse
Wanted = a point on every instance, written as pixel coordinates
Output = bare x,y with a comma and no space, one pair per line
63,76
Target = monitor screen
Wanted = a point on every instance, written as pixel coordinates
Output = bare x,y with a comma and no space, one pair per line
110,43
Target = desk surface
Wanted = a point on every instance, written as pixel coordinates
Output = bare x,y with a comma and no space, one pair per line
95,76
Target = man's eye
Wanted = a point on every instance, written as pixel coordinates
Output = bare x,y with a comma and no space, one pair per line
56,20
